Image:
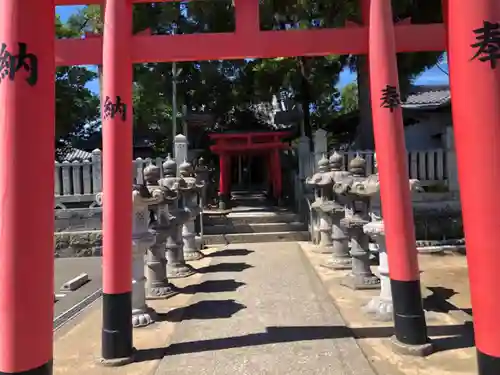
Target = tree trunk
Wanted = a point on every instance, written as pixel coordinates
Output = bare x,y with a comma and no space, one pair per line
305,96
364,134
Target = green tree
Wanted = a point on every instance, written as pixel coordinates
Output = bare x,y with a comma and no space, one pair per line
77,108
227,88
349,98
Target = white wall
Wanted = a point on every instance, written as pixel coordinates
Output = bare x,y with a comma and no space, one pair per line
424,134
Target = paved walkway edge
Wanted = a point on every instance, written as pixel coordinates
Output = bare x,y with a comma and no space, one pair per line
328,300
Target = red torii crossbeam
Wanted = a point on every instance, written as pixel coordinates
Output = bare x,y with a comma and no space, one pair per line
258,44
248,41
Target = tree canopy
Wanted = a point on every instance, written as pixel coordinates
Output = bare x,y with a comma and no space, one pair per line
227,89
77,108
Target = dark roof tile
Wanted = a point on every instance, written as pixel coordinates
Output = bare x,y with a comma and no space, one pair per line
427,96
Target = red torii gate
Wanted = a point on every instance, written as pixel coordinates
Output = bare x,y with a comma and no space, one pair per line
247,41
27,67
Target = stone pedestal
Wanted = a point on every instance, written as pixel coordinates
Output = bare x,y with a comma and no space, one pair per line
223,202
190,247
189,190
157,284
142,239
142,315
341,258
325,230
322,184
314,228
381,306
176,264
361,276
202,173
357,205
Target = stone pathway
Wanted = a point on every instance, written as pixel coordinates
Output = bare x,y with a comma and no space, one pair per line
260,309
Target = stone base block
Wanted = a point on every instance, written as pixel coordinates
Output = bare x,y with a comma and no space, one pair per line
116,362
380,309
198,242
338,264
162,292
412,350
322,249
180,271
75,283
143,318
193,255
361,282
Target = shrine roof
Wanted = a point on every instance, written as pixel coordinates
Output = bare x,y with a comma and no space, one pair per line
427,97
76,155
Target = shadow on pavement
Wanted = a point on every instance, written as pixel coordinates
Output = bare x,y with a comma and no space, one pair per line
449,337
438,301
201,310
225,267
230,253
212,286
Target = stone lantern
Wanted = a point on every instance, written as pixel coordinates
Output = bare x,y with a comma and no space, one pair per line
322,184
356,216
176,264
157,284
341,259
381,306
189,190
142,239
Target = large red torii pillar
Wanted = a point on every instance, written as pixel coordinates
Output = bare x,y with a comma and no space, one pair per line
27,113
409,319
117,183
474,59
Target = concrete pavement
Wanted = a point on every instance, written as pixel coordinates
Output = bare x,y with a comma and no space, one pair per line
261,309
252,309
66,269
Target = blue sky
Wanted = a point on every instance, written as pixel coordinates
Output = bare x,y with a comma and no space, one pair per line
433,76
65,12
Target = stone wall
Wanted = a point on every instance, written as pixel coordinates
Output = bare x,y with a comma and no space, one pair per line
78,231
438,225
78,219
78,244
437,216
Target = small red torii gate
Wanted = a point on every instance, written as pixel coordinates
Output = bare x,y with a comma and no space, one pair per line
267,143
29,54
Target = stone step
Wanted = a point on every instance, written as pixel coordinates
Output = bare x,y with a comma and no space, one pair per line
218,239
254,228
237,218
